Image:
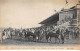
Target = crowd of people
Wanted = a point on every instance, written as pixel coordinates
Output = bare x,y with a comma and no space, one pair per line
41,32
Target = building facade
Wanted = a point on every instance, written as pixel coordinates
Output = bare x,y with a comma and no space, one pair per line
70,18
78,15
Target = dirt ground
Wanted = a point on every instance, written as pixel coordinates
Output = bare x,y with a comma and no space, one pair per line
43,42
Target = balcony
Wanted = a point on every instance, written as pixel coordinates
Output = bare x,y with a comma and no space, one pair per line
73,22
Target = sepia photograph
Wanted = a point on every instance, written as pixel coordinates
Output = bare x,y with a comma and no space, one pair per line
39,24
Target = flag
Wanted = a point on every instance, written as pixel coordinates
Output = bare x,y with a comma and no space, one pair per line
66,2
54,10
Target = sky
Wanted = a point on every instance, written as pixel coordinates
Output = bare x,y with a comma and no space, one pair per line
28,13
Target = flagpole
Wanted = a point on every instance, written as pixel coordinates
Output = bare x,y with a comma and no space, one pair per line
66,3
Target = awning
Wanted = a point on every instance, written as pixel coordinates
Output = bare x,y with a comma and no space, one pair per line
54,18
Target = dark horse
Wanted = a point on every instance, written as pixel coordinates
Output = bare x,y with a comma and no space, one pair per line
51,34
29,33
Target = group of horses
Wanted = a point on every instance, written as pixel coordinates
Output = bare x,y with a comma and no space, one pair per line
38,35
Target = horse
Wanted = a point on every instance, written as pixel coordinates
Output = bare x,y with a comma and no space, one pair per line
29,34
59,34
51,34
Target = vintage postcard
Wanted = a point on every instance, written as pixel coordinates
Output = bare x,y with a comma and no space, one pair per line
39,24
